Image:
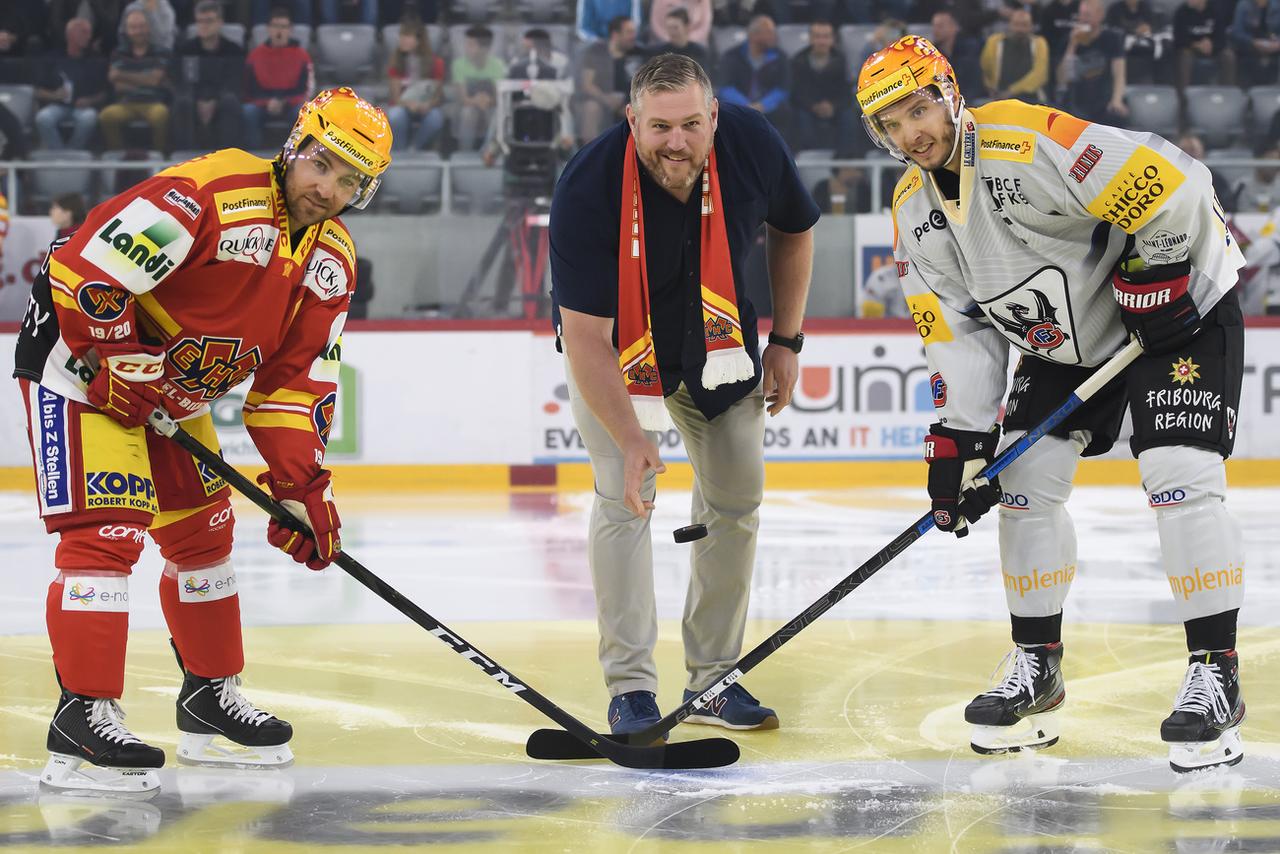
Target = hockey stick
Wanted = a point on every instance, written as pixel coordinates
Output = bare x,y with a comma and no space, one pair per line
556,744
702,753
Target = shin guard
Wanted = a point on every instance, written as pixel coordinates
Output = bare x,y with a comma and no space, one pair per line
198,591
87,608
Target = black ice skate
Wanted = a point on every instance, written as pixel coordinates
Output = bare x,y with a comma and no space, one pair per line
208,708
90,749
1018,713
1204,728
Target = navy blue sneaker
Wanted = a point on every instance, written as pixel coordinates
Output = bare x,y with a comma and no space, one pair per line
633,712
734,708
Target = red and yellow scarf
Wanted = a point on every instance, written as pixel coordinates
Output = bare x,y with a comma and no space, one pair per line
727,358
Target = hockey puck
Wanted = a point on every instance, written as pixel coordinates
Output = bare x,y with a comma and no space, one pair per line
689,533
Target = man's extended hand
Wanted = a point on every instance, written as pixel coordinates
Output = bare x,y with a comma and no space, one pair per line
639,456
781,370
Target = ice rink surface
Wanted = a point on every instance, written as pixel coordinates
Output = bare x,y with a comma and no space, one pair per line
401,743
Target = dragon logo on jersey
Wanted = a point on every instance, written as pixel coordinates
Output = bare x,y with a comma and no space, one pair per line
102,302
210,367
323,414
1041,329
1029,315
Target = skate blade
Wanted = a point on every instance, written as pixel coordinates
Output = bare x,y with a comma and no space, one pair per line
202,749
1034,732
66,773
1186,756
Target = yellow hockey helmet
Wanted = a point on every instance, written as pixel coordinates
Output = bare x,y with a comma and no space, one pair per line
911,64
350,127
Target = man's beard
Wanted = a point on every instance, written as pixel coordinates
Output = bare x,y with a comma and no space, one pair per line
653,164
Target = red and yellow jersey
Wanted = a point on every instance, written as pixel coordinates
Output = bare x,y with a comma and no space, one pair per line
201,259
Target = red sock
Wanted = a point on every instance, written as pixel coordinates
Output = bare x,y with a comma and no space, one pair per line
202,610
87,609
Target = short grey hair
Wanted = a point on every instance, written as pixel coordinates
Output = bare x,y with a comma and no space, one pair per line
669,72
209,6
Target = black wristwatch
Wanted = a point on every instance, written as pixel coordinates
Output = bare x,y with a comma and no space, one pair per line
792,344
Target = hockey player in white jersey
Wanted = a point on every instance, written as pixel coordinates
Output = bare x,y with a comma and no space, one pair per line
1022,226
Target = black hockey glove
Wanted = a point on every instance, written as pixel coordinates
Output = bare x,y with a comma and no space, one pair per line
955,458
1155,305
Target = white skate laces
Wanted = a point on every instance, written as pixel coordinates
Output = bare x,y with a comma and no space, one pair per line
106,720
1202,694
1020,675
231,701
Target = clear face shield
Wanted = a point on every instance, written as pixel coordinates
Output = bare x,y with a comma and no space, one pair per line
354,187
881,124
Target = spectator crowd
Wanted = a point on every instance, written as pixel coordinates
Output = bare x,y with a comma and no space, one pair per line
181,76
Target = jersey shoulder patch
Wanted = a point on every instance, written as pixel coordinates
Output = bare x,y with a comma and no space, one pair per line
335,235
910,182
218,165
1061,127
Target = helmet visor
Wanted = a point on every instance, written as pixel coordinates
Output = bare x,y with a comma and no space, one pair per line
882,125
352,185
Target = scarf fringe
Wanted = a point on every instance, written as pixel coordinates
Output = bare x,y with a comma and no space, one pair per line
651,412
727,366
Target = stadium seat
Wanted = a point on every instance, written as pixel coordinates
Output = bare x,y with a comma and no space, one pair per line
345,52
21,101
793,38
45,184
1153,108
476,188
544,11
412,182
301,33
474,10
726,38
232,32
853,41
1233,174
112,181
811,175
1216,113
1264,102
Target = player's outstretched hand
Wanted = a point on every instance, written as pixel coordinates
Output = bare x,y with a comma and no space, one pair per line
639,456
124,386
311,503
781,370
956,458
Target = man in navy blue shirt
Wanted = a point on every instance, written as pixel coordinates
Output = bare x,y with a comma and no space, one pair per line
694,181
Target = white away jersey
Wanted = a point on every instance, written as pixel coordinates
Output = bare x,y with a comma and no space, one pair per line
1048,205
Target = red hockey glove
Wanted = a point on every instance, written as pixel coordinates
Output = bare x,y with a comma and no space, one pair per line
1155,305
125,385
313,504
955,458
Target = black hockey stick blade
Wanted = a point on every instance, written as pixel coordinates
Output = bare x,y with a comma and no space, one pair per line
700,753
707,753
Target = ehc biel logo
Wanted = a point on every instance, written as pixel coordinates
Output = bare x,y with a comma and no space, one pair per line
210,367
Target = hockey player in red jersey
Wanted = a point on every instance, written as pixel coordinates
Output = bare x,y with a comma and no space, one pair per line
170,295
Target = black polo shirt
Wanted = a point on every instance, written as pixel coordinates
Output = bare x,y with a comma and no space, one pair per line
758,183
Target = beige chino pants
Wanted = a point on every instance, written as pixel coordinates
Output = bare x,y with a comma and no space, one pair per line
727,454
